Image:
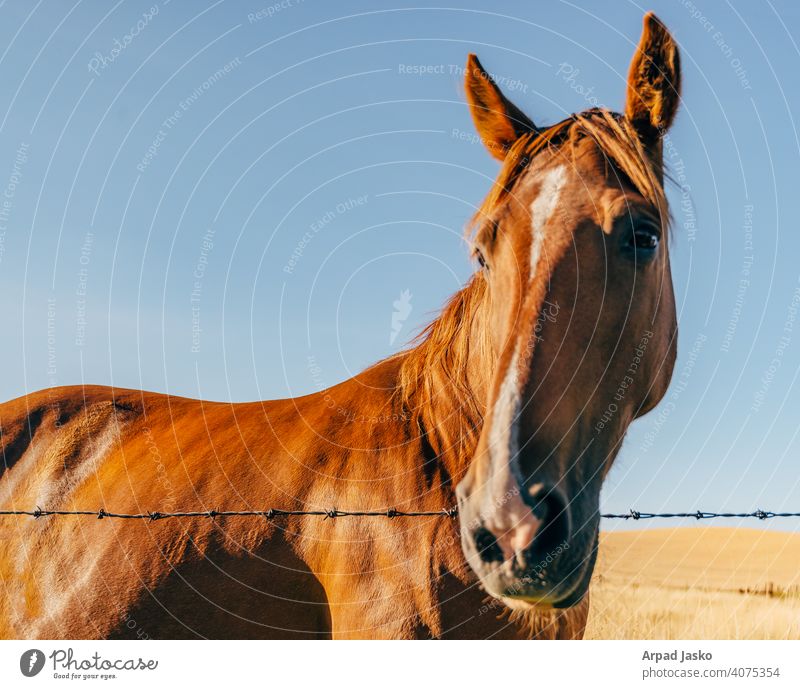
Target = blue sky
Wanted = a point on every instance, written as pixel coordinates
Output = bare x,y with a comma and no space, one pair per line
224,200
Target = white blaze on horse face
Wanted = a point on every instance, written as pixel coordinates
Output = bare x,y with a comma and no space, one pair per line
542,208
502,434
507,516
504,513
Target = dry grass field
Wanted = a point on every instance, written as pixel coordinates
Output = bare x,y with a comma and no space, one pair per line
696,583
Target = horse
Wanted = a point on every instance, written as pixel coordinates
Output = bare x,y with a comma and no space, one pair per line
511,405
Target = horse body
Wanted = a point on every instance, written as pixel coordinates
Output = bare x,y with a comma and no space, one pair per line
515,417
231,577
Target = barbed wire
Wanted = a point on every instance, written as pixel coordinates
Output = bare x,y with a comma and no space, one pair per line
758,514
391,513
332,513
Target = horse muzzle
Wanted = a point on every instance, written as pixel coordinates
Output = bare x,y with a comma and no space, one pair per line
533,548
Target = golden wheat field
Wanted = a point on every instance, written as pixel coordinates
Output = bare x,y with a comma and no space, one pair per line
696,583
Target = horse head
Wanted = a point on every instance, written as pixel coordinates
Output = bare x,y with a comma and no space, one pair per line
580,312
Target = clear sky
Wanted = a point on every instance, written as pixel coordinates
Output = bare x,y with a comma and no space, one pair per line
226,199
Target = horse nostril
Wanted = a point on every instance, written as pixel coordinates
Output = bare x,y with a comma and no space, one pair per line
488,549
549,506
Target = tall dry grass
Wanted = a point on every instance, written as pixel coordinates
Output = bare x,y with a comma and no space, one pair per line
703,583
649,612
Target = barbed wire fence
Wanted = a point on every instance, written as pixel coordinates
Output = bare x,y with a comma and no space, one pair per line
390,513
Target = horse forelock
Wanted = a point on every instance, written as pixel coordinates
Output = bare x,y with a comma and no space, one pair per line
614,136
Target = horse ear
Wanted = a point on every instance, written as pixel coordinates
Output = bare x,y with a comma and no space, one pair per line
499,122
654,81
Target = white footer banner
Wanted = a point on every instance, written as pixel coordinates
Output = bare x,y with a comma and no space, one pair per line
367,664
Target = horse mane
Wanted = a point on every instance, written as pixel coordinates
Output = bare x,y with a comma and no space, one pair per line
433,383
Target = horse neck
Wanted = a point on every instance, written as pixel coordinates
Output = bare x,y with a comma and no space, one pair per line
444,379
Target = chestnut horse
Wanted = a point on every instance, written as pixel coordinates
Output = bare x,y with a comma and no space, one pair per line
513,403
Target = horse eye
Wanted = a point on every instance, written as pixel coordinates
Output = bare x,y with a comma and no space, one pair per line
480,258
644,238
